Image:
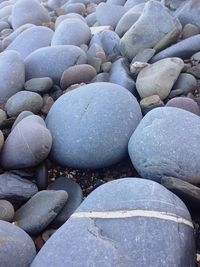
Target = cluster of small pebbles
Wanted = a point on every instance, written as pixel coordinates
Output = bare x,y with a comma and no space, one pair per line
99,133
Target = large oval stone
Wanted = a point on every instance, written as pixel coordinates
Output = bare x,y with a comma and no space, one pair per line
29,12
12,76
17,248
57,59
166,143
91,125
126,222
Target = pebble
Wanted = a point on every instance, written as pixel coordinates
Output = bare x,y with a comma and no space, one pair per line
17,248
12,74
78,8
77,74
75,197
48,102
189,30
81,133
184,103
26,146
113,240
3,116
20,117
28,12
145,32
39,85
31,40
56,58
96,56
41,173
15,188
159,77
170,137
186,82
36,214
150,102
195,71
6,210
69,16
23,101
144,55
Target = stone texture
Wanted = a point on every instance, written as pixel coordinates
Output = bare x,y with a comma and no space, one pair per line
15,188
26,146
57,59
20,117
189,30
40,210
41,174
186,82
169,136
28,12
126,241
77,74
145,33
78,8
89,134
159,77
40,85
68,16
6,210
31,40
150,102
184,103
12,74
23,101
17,248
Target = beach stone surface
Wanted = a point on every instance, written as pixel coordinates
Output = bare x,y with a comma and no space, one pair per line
39,85
56,58
114,239
162,135
6,210
26,146
12,76
17,248
29,12
184,103
186,82
84,140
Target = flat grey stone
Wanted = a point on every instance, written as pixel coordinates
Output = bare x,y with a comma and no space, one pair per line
15,188
31,40
145,33
17,248
56,58
89,134
23,101
40,85
75,197
169,136
12,74
40,210
127,241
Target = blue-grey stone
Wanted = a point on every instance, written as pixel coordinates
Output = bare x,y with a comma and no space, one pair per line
31,40
165,143
12,76
186,82
71,32
183,49
124,223
75,197
86,125
26,146
68,16
78,8
52,61
21,116
40,85
17,248
36,214
145,33
120,74
29,12
131,3
23,101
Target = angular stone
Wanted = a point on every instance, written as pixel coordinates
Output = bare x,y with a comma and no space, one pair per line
17,248
57,59
83,136
184,103
159,77
129,222
145,33
40,210
169,136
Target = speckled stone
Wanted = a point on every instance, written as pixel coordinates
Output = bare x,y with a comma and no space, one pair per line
169,136
124,239
17,248
83,135
57,59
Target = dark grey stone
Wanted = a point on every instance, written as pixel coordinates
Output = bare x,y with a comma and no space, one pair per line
52,61
75,197
183,49
101,77
17,248
89,134
125,239
41,173
13,187
186,82
169,136
40,210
